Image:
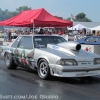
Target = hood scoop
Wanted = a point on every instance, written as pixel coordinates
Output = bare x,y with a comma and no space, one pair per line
70,45
66,47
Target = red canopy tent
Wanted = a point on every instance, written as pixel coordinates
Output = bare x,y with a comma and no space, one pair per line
37,17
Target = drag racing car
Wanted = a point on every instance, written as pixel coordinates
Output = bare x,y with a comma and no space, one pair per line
50,55
91,40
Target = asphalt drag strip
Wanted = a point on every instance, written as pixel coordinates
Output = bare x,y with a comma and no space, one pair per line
22,81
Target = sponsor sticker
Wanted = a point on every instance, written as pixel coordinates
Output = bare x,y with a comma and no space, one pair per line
86,63
55,47
38,39
87,74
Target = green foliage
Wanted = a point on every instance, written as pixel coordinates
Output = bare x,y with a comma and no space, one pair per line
23,8
5,14
68,18
59,17
81,17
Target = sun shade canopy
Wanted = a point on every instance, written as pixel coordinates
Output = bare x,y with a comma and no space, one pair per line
38,17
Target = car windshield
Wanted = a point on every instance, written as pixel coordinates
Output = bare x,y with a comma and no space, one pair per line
42,41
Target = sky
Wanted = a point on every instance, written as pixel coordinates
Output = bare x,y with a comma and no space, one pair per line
61,8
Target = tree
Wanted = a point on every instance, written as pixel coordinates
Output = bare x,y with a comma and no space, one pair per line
58,17
81,17
5,14
68,18
22,8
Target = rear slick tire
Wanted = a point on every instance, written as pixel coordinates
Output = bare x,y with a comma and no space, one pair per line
9,62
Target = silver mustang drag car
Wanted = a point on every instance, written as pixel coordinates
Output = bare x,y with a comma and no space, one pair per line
51,55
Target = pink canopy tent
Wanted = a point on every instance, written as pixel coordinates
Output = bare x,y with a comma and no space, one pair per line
38,18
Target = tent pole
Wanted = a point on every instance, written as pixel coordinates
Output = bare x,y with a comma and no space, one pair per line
33,27
13,33
72,29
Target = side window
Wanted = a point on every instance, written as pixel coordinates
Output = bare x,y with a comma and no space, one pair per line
39,42
91,39
15,44
26,43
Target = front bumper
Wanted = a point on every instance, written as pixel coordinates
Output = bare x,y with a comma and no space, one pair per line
74,71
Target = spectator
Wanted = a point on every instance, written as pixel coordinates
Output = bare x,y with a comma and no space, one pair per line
5,36
13,35
83,32
97,33
60,32
65,36
41,31
89,33
75,32
9,35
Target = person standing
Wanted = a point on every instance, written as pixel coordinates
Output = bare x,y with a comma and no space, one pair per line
65,36
41,31
89,33
9,35
83,34
97,33
60,32
5,36
75,32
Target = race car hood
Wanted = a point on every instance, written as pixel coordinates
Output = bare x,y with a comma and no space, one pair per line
68,50
66,47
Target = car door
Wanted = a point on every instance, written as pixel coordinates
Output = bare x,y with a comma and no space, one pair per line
26,51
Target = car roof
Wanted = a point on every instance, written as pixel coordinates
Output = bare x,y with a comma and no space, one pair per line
40,35
88,37
92,36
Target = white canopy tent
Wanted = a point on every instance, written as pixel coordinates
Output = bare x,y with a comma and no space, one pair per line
78,27
95,28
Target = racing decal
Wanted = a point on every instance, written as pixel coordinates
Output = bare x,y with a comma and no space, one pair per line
39,46
38,39
25,60
31,54
16,52
88,49
24,57
55,47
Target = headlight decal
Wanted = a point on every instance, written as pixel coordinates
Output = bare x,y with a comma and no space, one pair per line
67,62
97,61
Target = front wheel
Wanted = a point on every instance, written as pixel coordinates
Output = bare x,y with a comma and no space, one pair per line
43,69
9,61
